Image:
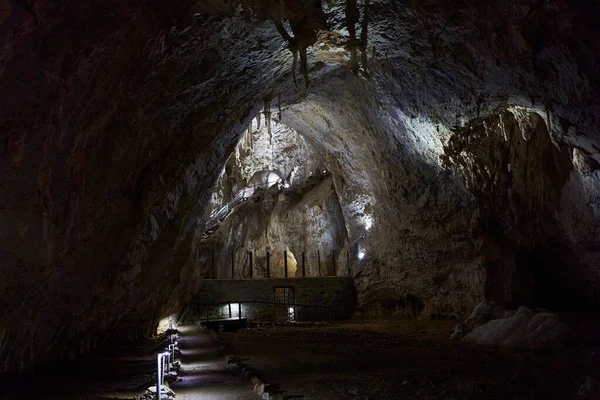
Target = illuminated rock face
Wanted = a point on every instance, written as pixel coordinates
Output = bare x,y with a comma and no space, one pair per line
118,119
305,217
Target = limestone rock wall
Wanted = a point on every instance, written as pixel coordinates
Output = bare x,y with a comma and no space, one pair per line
115,126
518,173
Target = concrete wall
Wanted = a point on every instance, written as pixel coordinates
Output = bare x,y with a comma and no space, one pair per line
338,293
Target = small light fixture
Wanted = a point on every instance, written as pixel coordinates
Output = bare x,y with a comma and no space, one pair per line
361,253
235,310
368,221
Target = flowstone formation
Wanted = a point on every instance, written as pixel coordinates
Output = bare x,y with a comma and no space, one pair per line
117,120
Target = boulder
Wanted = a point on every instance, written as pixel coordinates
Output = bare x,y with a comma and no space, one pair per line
524,330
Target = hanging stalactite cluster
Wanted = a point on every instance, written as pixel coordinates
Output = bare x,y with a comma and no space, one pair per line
305,18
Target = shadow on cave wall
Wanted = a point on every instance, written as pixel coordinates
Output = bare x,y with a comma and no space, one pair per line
516,174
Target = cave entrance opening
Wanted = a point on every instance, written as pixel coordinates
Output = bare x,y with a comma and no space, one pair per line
285,298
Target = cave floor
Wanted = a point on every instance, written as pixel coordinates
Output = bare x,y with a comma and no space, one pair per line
204,372
406,359
125,370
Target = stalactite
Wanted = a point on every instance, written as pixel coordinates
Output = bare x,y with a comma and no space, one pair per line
294,64
304,65
364,35
353,63
258,121
279,106
267,112
352,18
249,137
292,46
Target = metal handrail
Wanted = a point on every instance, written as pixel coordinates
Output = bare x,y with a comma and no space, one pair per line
216,218
182,314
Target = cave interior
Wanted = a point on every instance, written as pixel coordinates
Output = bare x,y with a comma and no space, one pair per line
439,154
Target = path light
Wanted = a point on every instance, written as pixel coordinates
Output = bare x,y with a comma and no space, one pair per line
234,307
160,359
367,221
361,253
172,351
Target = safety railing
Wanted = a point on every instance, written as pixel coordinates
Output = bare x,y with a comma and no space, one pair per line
259,311
217,218
338,264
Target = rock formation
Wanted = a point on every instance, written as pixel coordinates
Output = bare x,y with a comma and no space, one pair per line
489,326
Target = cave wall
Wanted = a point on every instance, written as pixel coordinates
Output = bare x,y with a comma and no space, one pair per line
518,174
115,126
406,108
305,218
400,207
117,119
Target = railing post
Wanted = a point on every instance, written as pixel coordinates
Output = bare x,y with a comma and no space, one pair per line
212,261
159,374
348,260
239,310
319,260
333,260
303,265
230,315
232,263
268,264
285,263
251,266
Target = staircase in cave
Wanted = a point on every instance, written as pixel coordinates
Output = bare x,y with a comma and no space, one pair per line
217,218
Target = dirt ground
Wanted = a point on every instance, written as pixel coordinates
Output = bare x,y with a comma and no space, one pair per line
409,359
124,371
117,371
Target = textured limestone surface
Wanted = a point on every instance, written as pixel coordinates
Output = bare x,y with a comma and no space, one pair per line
117,118
304,217
522,329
